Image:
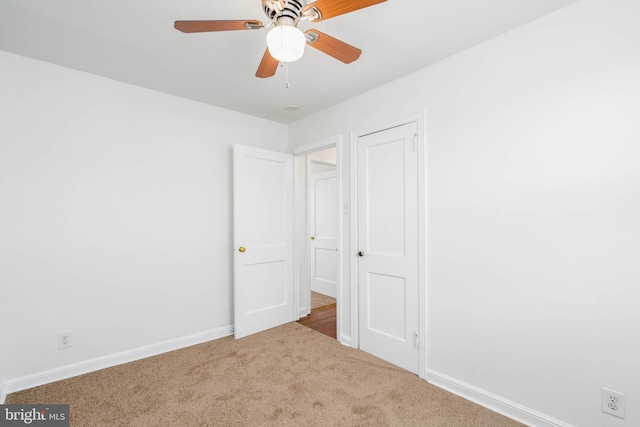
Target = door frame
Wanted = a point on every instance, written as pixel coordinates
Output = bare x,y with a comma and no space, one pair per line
420,120
301,242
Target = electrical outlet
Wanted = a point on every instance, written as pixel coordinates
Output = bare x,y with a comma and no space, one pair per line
613,402
64,339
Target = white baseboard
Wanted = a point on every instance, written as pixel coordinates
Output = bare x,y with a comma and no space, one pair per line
303,312
108,361
345,340
3,395
495,403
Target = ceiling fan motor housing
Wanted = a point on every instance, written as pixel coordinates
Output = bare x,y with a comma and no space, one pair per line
292,10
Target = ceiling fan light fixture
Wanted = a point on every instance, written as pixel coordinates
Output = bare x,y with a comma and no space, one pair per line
286,43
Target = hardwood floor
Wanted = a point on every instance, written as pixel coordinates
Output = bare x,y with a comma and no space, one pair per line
322,320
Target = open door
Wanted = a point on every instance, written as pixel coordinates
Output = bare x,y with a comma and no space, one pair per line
263,239
323,226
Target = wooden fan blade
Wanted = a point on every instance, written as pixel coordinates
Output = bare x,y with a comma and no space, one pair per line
330,8
208,26
333,47
268,66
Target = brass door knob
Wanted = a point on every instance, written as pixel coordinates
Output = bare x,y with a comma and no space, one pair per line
360,253
313,237
242,249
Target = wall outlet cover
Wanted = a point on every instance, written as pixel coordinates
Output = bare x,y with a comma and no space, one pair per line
613,402
64,339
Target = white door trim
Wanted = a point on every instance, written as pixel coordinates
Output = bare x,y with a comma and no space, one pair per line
302,242
420,120
318,145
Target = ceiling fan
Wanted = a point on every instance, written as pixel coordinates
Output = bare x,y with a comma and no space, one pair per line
285,41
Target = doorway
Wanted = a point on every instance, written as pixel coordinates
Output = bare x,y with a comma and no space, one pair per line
318,233
323,240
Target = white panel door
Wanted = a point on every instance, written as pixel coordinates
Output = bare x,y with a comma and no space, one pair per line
323,227
263,239
387,193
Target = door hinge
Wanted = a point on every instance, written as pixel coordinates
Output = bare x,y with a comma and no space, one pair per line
415,142
417,340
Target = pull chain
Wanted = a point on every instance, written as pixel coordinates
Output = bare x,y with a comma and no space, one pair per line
286,75
286,67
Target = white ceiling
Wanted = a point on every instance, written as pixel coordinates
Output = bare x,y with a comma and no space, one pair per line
135,42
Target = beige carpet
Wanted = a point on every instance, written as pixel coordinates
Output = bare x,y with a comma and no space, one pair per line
320,300
287,376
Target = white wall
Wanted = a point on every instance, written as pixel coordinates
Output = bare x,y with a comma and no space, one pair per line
2,395
115,215
533,145
2,298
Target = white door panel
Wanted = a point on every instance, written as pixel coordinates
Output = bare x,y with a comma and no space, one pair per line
323,258
263,267
325,265
384,197
387,192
